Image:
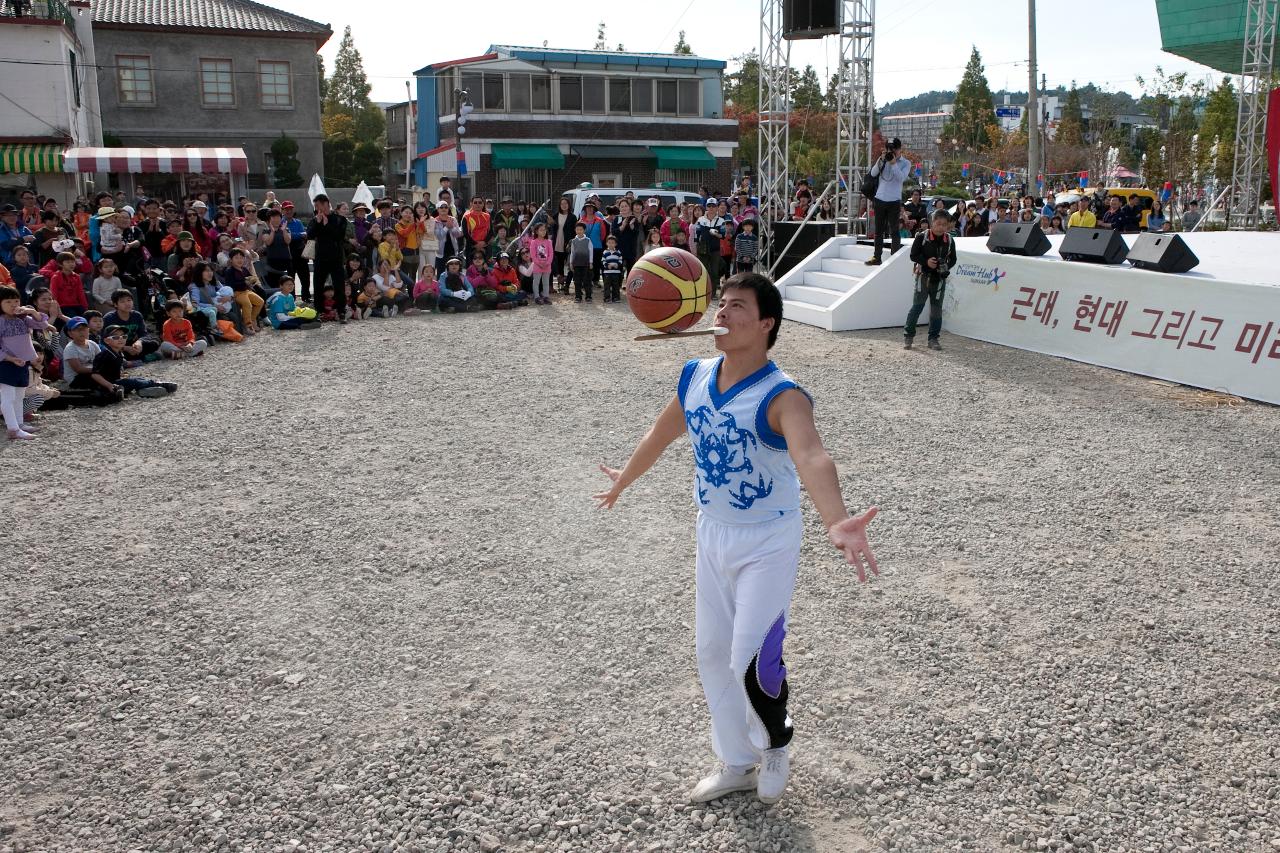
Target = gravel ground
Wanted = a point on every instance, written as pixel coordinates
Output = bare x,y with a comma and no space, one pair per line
347,592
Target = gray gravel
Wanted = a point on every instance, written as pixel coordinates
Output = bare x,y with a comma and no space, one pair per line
400,625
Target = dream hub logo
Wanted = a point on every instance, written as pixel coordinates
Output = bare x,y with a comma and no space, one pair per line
986,276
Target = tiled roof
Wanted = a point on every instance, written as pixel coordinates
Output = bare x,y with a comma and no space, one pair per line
205,14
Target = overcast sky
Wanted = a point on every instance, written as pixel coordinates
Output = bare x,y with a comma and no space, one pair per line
920,44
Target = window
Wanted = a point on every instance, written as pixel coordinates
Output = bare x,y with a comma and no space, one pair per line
686,180
473,85
519,93
275,86
570,94
542,93
667,97
642,96
269,167
524,185
134,80
620,95
444,94
75,77
689,101
216,87
593,94
494,98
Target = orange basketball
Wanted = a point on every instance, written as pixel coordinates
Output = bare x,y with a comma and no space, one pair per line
667,289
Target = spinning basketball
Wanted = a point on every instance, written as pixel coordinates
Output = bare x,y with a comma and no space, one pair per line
667,289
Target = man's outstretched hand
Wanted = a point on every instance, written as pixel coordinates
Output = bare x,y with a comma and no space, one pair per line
850,536
606,500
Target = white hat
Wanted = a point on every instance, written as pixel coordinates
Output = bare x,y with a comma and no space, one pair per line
711,201
127,209
199,205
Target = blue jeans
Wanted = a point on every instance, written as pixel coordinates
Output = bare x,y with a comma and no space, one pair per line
131,384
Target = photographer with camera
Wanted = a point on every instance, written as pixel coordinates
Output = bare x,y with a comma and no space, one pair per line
934,254
890,170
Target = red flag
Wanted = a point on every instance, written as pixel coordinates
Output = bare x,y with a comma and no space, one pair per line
1273,144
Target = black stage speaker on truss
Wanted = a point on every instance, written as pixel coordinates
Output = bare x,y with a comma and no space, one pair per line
1093,245
1162,252
810,19
1017,238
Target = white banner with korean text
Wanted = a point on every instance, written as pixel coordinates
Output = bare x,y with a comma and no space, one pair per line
1198,328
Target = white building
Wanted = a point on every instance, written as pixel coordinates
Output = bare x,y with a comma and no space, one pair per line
50,94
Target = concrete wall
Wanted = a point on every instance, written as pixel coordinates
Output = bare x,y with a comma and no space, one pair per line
179,118
37,77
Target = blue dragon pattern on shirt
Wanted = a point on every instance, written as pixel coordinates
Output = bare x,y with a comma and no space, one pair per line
722,452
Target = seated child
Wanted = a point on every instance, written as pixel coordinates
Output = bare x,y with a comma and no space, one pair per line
456,292
109,368
282,308
507,283
65,282
392,287
179,336
77,366
22,269
482,280
426,293
139,344
203,291
370,302
95,325
38,392
106,283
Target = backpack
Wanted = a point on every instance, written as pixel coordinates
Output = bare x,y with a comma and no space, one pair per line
870,183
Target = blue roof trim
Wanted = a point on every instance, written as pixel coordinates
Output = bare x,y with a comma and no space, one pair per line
604,57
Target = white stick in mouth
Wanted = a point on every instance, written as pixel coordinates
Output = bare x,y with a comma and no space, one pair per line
719,330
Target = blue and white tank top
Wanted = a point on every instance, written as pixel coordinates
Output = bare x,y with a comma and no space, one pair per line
744,474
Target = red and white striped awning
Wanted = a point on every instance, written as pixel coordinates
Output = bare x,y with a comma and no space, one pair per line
139,161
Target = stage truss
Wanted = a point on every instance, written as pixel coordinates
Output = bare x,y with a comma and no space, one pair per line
1250,168
855,101
773,137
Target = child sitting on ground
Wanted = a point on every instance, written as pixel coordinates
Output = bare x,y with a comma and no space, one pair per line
38,393
139,344
105,284
203,291
426,293
507,283
94,317
456,293
77,366
66,284
21,270
17,355
109,367
371,303
482,280
179,336
392,288
282,305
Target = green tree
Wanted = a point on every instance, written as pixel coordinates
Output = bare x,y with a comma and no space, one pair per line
742,87
1071,128
974,114
1153,162
600,42
831,101
284,155
806,92
1218,122
682,46
371,123
338,163
348,87
366,162
320,79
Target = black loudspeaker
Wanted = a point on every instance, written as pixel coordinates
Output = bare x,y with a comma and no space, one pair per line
1162,252
1093,245
810,19
1017,238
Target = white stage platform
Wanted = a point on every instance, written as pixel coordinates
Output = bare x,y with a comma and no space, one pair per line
1216,327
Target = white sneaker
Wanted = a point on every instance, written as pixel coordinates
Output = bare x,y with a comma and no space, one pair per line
774,770
723,781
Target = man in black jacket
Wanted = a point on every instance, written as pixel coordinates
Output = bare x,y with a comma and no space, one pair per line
328,231
934,254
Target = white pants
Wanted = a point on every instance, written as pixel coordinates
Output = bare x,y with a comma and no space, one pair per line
11,405
541,284
745,577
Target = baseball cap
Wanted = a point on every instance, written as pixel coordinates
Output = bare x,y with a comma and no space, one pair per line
502,255
185,235
711,201
127,209
76,322
288,205
199,205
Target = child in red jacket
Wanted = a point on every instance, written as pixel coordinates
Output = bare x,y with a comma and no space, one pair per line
507,279
66,283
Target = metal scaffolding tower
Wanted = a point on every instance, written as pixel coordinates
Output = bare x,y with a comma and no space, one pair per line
855,102
1250,167
773,136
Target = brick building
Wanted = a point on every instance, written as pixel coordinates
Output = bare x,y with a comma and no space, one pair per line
546,120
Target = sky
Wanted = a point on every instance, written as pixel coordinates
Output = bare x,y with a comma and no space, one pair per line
920,44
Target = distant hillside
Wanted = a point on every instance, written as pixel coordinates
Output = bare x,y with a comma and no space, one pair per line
931,102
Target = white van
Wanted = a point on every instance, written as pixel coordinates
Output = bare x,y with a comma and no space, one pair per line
610,195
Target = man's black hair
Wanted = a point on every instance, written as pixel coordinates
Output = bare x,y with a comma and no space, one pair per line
119,294
768,299
940,214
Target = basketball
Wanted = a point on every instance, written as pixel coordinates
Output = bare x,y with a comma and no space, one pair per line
667,289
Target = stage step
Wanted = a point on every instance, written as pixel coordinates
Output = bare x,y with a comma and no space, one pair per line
846,266
819,296
830,280
803,312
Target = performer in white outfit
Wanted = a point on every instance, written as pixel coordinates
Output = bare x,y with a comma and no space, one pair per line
754,441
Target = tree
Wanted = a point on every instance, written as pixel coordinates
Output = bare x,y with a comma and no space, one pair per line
366,163
348,88
338,164
284,156
1071,128
682,46
806,92
323,83
1218,122
742,87
975,112
831,101
600,42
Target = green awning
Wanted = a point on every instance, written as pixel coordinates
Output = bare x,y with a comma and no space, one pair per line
511,155
683,157
31,158
601,152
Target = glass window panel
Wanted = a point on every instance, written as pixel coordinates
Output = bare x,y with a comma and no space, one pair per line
541,92
667,97
216,88
571,94
689,91
136,84
593,94
274,81
519,93
473,85
494,98
620,96
641,96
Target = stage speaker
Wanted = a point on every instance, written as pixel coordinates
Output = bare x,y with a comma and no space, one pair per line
1093,245
1162,252
1017,238
810,19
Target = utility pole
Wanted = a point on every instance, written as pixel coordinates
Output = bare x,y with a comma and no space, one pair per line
1033,101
